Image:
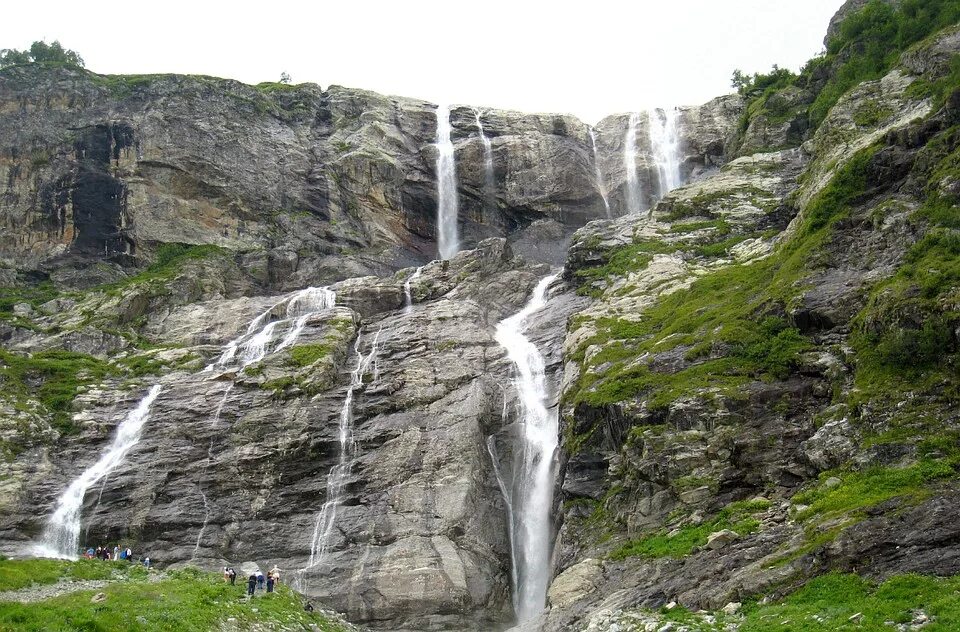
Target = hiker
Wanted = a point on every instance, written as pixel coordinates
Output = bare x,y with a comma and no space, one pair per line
123,554
89,553
308,607
116,552
275,571
233,577
259,579
146,562
99,553
129,554
251,584
270,583
226,574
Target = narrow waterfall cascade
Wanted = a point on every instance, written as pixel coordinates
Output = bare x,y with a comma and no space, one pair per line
61,535
601,186
215,427
529,491
630,164
262,334
665,147
447,202
340,473
488,182
408,291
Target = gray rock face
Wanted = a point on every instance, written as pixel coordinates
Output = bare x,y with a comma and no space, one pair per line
233,465
311,185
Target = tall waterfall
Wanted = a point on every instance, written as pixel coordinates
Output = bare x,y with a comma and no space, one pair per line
489,187
529,491
340,473
263,333
61,535
630,164
447,232
599,174
665,146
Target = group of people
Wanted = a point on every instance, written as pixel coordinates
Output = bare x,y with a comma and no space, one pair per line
105,553
256,580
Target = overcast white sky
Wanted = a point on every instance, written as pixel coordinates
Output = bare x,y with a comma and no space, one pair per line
589,58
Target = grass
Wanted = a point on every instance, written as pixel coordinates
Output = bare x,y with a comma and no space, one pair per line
860,489
169,260
836,598
731,317
17,574
54,378
737,517
305,355
182,600
618,263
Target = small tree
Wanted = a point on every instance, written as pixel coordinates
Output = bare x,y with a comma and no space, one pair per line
40,52
284,77
740,81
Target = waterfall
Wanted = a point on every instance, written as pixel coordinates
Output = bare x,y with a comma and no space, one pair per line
61,536
408,291
630,164
206,468
340,473
665,147
447,237
529,492
262,332
601,187
489,187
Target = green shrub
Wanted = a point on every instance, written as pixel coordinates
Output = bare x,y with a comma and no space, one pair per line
737,517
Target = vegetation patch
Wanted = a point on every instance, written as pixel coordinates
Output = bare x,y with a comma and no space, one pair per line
52,378
17,574
860,489
737,517
846,601
308,354
181,600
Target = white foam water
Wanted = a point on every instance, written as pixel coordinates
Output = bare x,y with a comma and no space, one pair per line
528,491
61,535
633,194
448,239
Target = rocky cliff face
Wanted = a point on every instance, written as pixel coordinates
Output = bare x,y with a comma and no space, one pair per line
756,377
307,184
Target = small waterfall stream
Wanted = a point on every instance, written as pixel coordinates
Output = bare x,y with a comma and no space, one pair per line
408,291
665,146
528,489
215,426
259,339
447,231
601,187
633,197
489,186
61,535
340,473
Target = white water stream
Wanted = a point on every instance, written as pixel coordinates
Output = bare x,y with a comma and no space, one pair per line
61,535
339,474
447,232
665,146
528,491
408,291
262,333
601,186
633,196
488,182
